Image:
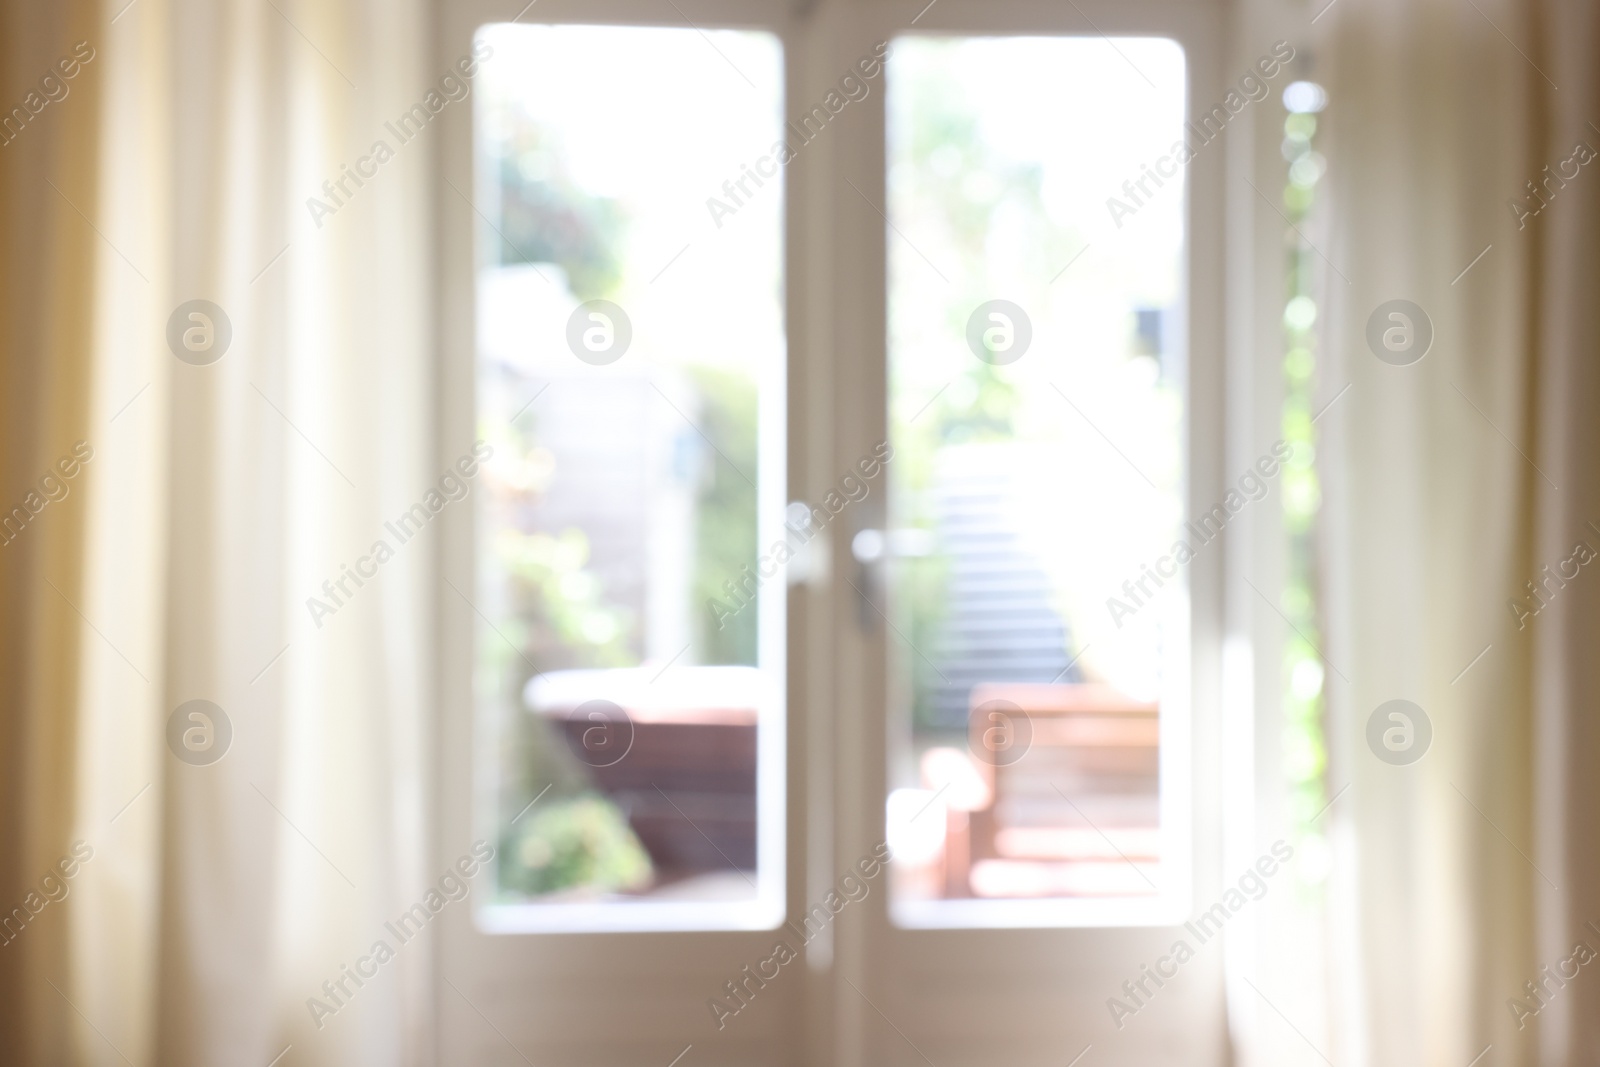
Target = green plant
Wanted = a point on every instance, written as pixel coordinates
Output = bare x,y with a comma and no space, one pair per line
561,610
580,842
725,521
1304,700
546,217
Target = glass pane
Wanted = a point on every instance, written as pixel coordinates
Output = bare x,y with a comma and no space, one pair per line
630,370
1036,206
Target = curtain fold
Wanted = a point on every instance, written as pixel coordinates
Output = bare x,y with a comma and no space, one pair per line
1566,665
241,459
1453,480
48,171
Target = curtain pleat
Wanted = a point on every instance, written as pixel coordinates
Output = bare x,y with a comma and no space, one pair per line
49,175
1453,480
1566,664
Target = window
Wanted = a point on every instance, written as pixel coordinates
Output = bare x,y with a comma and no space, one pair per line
1036,368
630,377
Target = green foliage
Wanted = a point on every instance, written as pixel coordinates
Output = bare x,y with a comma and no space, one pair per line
984,408
725,535
923,586
547,218
556,614
560,614
1304,740
580,842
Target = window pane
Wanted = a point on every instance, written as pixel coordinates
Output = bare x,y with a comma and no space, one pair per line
630,365
1037,412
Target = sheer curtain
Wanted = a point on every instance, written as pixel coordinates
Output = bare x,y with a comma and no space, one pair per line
240,460
1452,481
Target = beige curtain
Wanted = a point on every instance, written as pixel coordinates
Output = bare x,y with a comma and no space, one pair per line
224,488
1451,482
46,256
1566,680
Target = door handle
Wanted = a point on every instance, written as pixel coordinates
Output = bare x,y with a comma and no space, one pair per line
872,548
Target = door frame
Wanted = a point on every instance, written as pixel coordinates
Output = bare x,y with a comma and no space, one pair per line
836,1010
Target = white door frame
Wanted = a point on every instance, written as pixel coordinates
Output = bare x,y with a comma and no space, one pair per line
1018,995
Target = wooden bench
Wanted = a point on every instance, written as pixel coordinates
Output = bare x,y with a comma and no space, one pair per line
687,783
1066,817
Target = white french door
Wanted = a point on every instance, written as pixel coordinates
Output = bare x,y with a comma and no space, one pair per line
832,402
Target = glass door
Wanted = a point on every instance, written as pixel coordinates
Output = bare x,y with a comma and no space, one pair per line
1036,406
1031,671
630,389
615,725
821,680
